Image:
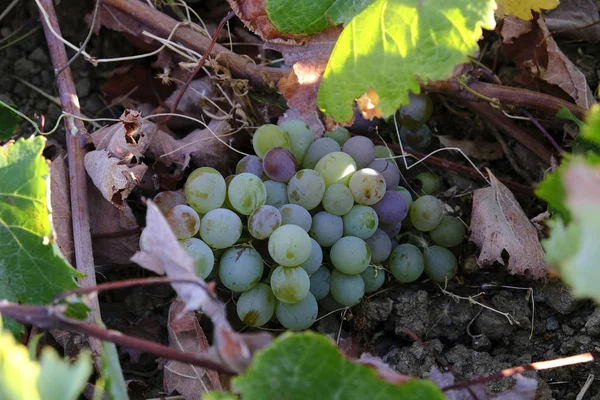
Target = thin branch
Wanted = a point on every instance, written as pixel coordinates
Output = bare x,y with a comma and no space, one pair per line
544,131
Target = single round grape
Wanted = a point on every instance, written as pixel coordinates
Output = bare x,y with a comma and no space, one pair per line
314,260
220,228
263,222
339,134
246,193
367,186
361,149
167,199
329,304
383,152
392,208
256,306
317,150
426,213
326,228
319,283
203,256
346,289
360,221
450,232
391,229
268,136
389,170
374,278
205,189
251,164
440,263
298,316
336,167
240,268
429,182
183,220
338,199
301,137
350,255
380,245
293,214
406,263
289,245
276,193
306,189
279,164
418,138
417,111
290,284
406,193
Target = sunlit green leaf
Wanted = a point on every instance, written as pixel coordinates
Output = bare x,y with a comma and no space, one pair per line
9,122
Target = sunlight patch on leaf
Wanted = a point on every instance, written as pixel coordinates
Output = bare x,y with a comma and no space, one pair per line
523,8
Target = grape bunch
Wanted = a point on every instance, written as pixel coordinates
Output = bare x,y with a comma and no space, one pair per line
307,222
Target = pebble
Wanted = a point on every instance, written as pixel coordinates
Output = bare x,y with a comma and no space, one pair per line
551,324
25,68
39,56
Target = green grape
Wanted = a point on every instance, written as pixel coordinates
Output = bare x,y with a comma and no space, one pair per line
226,203
306,189
167,199
276,193
326,228
346,289
268,136
220,228
360,221
319,283
293,214
350,255
329,304
318,150
240,268
367,186
426,212
298,316
246,193
440,263
315,259
417,111
336,167
205,189
289,245
183,220
383,152
450,232
290,284
429,182
406,263
374,279
340,135
406,193
338,199
263,222
256,306
418,138
301,137
202,255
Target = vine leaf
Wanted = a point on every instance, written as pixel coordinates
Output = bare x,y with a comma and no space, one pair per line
308,365
522,8
392,44
9,122
499,224
32,268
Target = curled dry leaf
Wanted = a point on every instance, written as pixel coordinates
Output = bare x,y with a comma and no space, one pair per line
499,224
480,150
185,334
116,20
60,198
114,179
570,16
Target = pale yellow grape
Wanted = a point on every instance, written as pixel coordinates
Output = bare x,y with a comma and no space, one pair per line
205,189
367,186
336,167
268,136
289,245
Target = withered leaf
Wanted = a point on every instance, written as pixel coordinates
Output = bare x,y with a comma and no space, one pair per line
60,198
185,334
480,150
116,20
499,224
570,16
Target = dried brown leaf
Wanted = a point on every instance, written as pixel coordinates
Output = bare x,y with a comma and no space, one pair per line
499,224
480,150
60,199
185,334
567,19
114,179
116,20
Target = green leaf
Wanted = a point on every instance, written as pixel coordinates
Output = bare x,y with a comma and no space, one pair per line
312,16
300,366
9,122
218,395
32,268
565,114
591,130
392,43
17,371
61,380
114,384
552,191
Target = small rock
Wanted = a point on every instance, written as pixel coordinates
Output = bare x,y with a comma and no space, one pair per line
592,325
39,56
448,318
83,87
567,330
25,68
410,311
551,324
558,297
494,325
6,99
375,311
482,343
516,304
414,360
576,344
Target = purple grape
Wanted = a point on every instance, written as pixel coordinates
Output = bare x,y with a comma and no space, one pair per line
251,164
392,208
391,229
381,246
279,164
389,170
361,149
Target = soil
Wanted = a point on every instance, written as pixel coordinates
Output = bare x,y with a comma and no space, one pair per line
515,323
